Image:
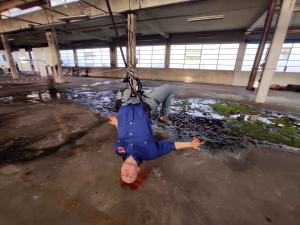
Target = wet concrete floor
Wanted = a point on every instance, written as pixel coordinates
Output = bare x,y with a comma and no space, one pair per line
68,173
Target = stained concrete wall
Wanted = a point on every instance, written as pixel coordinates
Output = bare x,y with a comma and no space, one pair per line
283,79
197,76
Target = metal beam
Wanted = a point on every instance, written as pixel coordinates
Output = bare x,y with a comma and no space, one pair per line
258,22
152,24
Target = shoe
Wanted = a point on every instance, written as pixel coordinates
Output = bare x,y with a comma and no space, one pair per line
164,120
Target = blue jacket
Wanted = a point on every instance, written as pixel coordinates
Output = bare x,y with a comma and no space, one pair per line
135,137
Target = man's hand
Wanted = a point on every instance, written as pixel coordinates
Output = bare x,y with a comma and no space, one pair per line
113,120
196,143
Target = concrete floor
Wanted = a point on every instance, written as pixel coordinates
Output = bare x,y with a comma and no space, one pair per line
79,184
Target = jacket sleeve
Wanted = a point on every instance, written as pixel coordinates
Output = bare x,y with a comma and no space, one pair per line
164,147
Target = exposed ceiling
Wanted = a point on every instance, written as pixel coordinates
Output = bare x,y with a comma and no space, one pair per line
239,15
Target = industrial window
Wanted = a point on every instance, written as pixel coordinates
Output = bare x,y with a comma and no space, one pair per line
147,56
289,58
206,56
61,2
17,12
1,58
96,57
67,56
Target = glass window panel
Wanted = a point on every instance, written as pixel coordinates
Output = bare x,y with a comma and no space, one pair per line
173,47
176,66
159,57
281,63
81,64
176,61
145,57
210,57
248,63
70,52
246,68
105,64
97,61
192,47
145,48
89,61
208,67
226,62
210,52
81,61
228,51
105,57
158,61
293,63
88,50
105,53
285,51
249,57
295,51
159,52
211,62
296,45
176,57
89,64
250,51
287,45
283,56
144,61
186,66
213,46
159,47
80,50
145,52
252,46
221,67
97,64
57,2
145,65
227,57
293,69
105,61
279,69
177,52
192,62
158,65
230,46
294,57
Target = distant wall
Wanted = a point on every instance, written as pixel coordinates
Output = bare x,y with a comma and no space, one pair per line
197,76
283,79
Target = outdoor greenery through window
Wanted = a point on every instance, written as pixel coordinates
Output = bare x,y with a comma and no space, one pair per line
206,56
289,58
67,56
96,57
148,56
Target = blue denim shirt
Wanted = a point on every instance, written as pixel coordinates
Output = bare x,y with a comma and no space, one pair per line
135,137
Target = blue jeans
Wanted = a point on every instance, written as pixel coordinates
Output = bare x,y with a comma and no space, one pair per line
164,95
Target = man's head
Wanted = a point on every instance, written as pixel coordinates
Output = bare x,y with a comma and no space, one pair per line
129,172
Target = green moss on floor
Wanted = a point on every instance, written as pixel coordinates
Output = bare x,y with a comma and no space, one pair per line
184,106
258,130
227,109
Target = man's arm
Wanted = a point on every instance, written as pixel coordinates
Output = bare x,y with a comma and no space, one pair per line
113,121
195,143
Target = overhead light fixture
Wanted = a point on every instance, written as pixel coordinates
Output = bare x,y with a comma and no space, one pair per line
70,18
201,18
33,36
10,39
29,5
91,30
118,27
206,37
75,44
154,39
293,31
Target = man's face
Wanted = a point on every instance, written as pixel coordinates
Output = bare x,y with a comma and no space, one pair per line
129,172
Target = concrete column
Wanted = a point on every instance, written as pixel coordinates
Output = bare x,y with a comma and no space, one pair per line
240,57
113,56
168,54
75,57
54,51
11,61
131,41
275,49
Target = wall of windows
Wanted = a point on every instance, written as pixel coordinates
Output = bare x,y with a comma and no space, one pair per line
96,57
289,58
148,56
67,56
206,56
17,12
61,2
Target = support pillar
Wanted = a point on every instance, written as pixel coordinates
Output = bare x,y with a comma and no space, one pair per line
113,56
131,41
168,54
275,49
11,60
55,56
